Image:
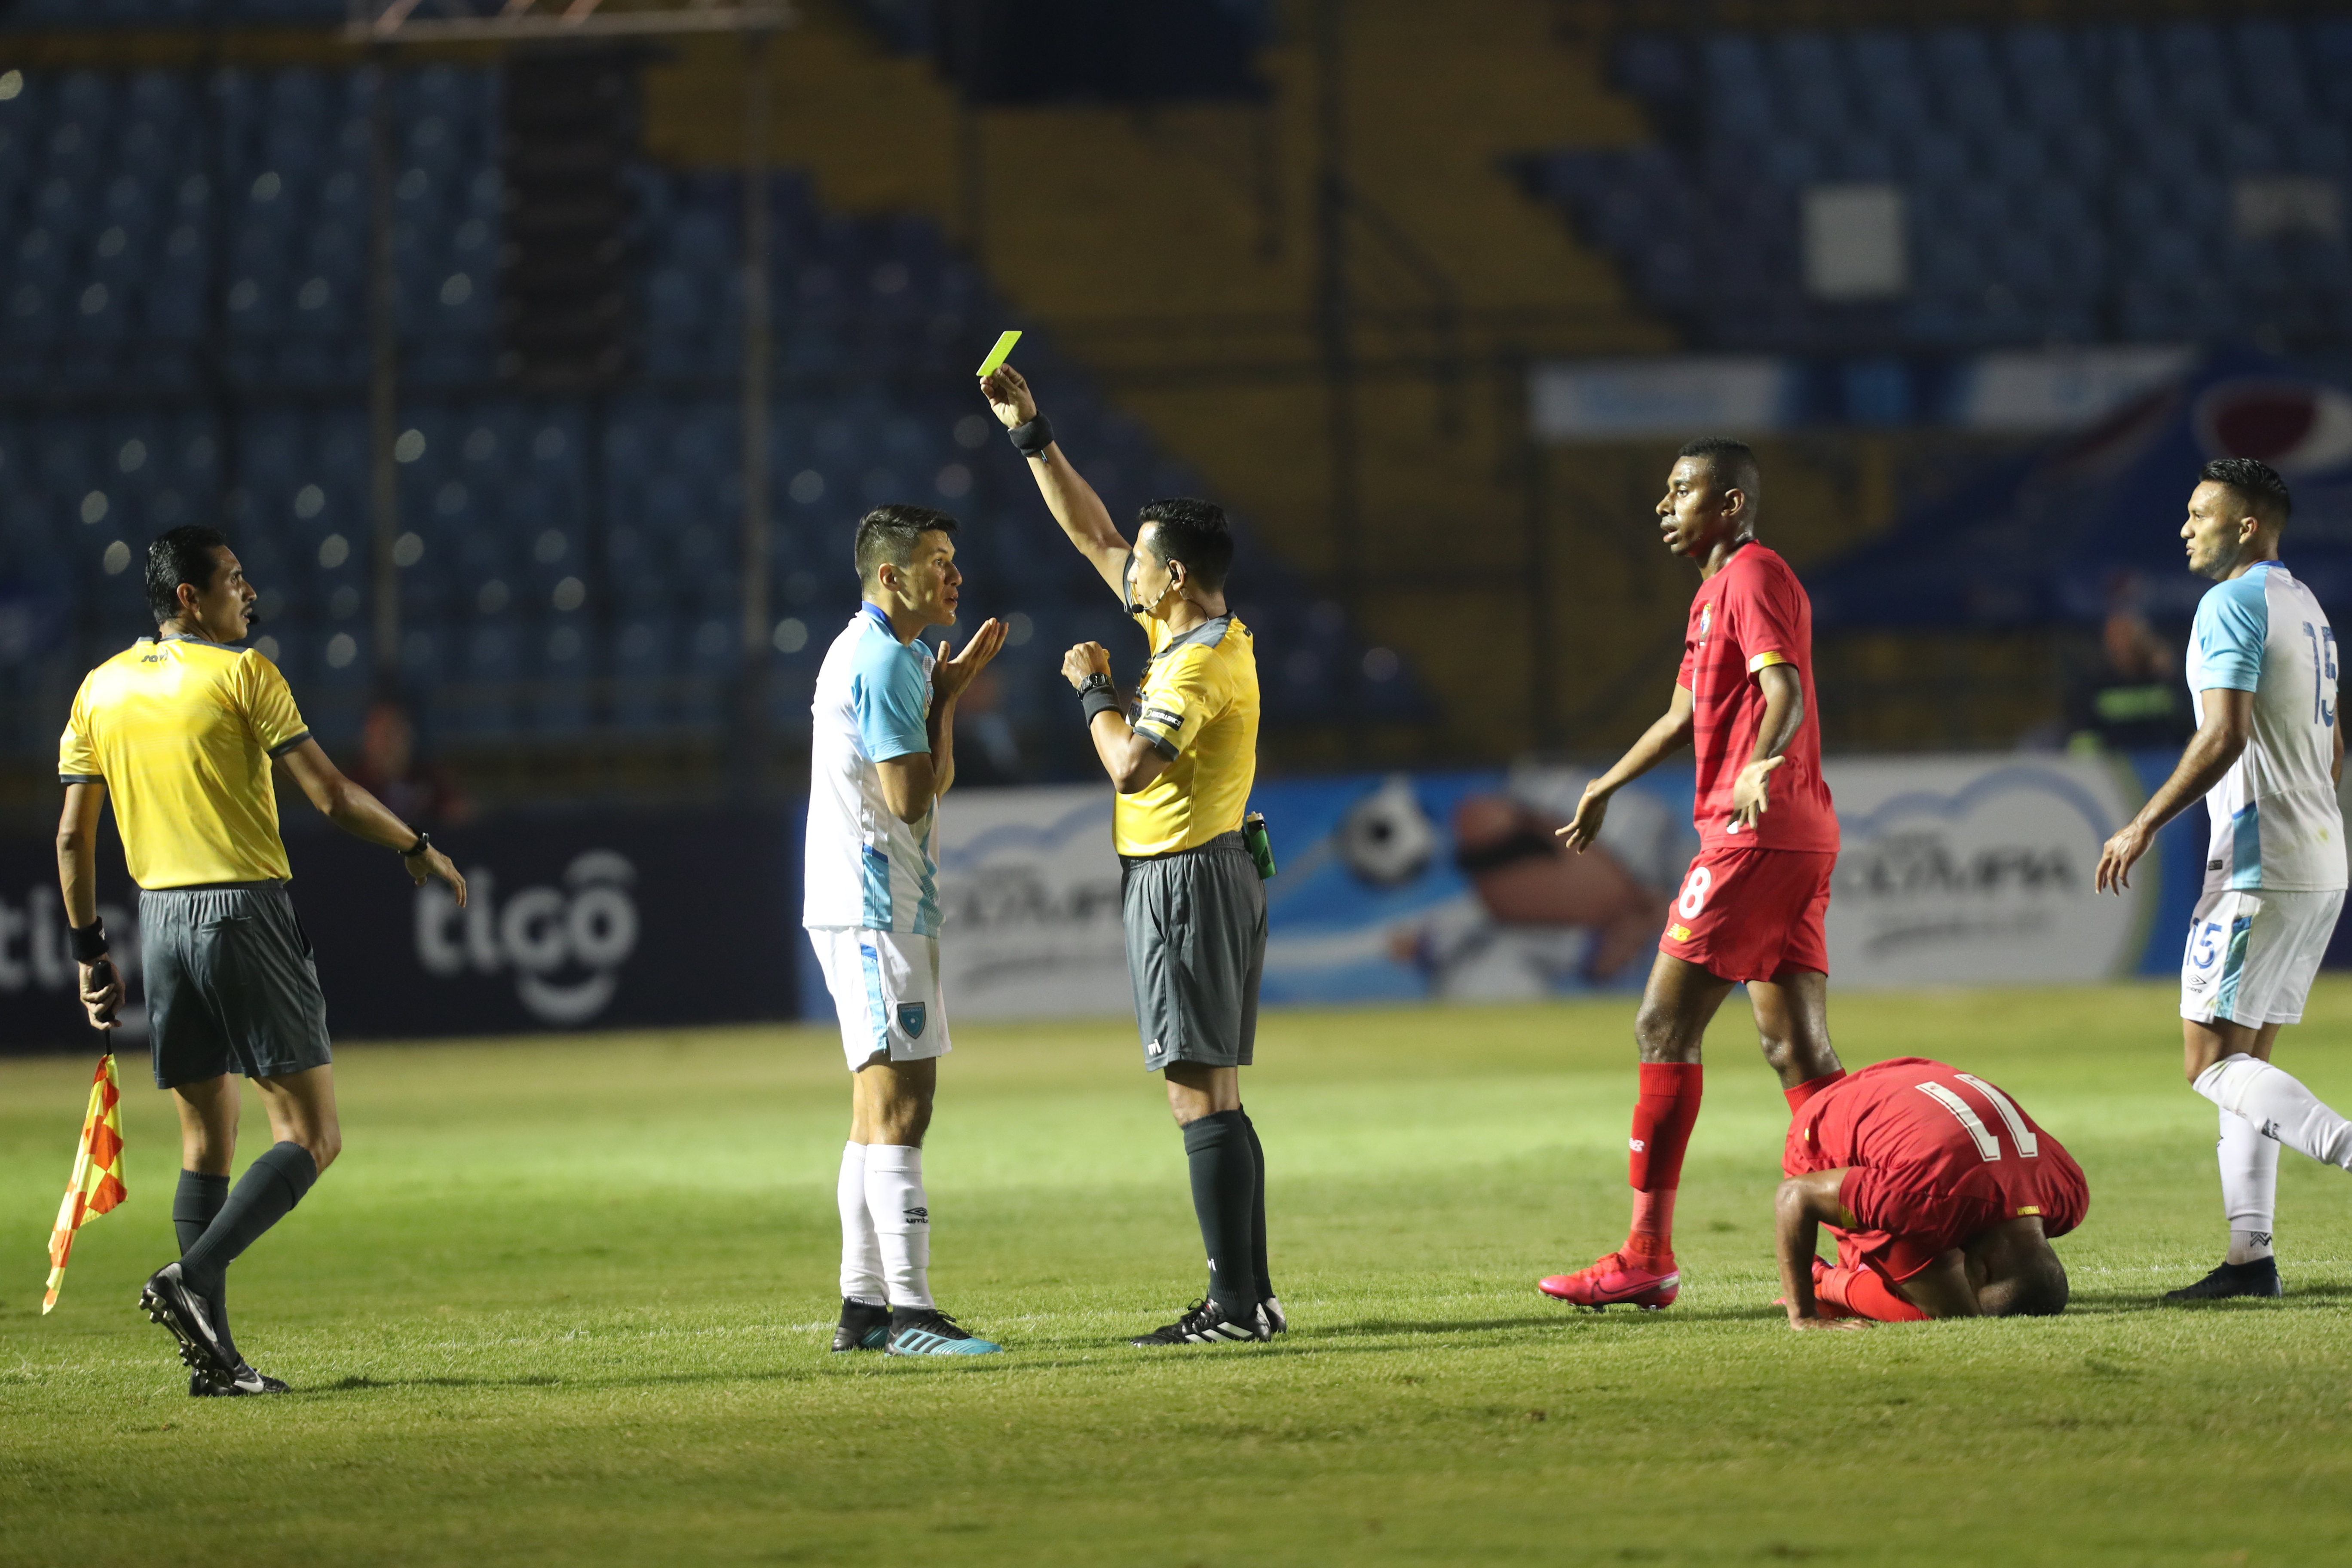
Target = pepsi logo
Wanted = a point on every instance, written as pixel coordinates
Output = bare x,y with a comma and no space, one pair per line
2296,427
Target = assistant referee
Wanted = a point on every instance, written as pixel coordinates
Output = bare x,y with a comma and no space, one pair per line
1191,900
183,728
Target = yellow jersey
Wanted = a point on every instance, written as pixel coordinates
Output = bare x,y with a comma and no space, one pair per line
1199,707
181,733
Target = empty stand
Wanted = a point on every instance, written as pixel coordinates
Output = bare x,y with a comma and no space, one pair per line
2106,183
181,339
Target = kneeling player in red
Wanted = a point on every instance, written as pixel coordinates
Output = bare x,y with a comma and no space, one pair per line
1752,907
1943,1196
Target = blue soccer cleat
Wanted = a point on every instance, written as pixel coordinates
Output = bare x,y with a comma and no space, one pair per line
926,1330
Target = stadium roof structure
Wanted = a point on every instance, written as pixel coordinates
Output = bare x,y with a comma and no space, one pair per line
529,21
2052,535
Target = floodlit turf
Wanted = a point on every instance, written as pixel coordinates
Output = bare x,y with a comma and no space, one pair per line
569,1301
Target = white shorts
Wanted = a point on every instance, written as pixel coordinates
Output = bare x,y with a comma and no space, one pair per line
886,990
2252,955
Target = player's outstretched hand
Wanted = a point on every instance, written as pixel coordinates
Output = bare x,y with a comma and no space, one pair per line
1751,792
1008,398
950,675
1584,831
433,863
1836,1325
2117,856
1087,658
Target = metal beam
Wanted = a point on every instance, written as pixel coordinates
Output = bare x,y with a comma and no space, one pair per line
516,23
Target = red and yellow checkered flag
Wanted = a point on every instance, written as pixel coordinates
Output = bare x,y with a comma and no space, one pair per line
96,1182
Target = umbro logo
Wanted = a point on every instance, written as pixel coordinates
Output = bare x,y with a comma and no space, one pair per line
918,1216
1636,1144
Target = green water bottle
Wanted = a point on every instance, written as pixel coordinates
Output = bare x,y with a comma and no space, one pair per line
1261,847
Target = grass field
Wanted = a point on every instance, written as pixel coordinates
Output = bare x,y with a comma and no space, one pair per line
569,1301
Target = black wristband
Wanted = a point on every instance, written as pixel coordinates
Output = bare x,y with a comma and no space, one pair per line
88,941
1032,440
424,842
1097,695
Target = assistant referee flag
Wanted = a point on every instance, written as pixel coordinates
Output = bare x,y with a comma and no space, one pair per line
96,1185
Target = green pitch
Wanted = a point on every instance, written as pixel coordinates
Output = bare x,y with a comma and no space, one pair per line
569,1301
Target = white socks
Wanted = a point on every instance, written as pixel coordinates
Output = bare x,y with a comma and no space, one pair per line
861,1251
901,1217
2249,1187
2279,1107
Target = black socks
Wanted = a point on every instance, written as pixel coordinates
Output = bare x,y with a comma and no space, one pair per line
1226,1199
193,1207
1257,1211
267,1192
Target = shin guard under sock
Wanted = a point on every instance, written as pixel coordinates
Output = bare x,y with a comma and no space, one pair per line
1663,1119
2279,1106
861,1245
902,1221
194,1206
1257,1212
1224,1194
2249,1164
265,1195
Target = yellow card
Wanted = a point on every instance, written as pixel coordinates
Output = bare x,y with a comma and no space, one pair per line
997,355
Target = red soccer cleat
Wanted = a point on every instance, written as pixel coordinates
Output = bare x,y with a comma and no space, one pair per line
1612,1281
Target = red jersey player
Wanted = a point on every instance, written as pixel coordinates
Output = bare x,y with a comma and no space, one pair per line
1752,905
1943,1196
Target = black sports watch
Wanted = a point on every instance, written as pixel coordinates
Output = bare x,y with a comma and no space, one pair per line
424,842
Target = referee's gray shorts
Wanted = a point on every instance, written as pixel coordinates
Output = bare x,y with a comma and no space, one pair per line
1196,925
231,985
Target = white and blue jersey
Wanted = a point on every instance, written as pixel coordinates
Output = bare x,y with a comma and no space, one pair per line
2276,825
866,869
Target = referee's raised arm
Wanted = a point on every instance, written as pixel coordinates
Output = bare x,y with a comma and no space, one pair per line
1073,502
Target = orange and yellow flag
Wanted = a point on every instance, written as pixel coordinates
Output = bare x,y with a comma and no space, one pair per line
96,1183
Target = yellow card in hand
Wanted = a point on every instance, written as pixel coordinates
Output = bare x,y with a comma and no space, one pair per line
997,355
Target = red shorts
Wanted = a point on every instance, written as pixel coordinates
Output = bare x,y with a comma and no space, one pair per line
1911,1224
1750,914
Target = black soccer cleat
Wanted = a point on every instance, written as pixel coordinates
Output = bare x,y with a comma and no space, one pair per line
2260,1278
926,1330
1206,1324
1277,1321
863,1327
166,1300
245,1381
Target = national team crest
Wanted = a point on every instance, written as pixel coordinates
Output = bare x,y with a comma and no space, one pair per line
911,1019
1705,621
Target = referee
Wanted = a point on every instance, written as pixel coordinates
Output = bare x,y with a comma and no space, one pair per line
1191,900
184,727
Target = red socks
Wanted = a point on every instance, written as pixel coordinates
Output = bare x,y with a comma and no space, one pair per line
1864,1295
1663,1119
1806,1090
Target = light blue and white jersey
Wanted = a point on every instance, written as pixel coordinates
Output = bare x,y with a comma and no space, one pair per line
2276,824
865,868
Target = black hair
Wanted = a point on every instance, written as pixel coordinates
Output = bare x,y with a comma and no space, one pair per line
893,533
183,555
2256,485
1733,464
2037,1291
1193,532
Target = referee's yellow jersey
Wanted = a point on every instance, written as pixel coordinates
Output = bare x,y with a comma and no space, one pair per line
181,733
1199,707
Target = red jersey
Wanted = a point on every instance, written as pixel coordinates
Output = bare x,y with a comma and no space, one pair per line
1935,1155
1751,615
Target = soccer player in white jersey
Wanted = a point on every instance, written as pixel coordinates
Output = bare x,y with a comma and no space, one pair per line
881,754
2266,757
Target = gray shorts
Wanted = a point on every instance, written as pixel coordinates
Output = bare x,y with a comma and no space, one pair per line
231,985
1195,952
